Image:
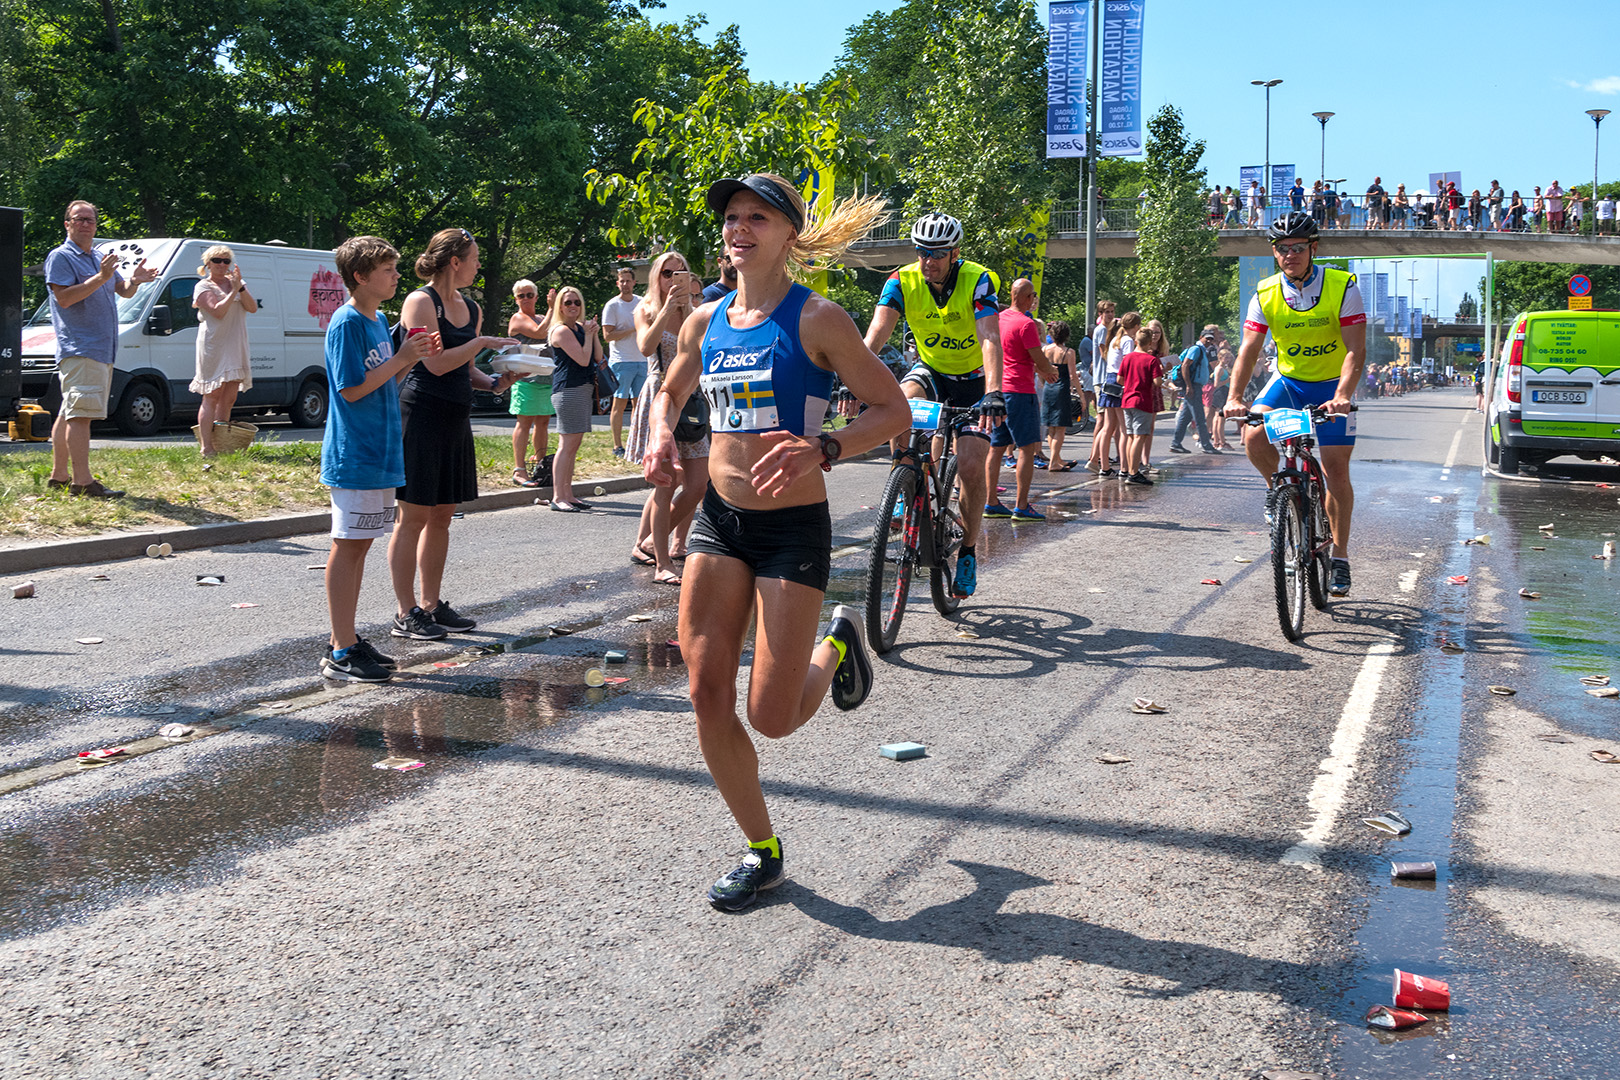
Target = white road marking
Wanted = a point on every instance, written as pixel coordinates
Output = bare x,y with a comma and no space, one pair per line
1408,581
1451,455
1332,784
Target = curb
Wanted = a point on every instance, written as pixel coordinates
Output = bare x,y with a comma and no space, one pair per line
132,545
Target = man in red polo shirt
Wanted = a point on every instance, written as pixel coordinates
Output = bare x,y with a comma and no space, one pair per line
1021,359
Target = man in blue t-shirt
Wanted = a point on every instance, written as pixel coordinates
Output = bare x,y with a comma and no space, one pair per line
85,318
363,452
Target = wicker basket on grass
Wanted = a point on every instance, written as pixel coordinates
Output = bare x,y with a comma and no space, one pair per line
229,437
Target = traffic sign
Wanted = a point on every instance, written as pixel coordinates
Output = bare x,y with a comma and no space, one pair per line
1580,303
1580,285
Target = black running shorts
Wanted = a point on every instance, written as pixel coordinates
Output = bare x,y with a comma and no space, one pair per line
793,543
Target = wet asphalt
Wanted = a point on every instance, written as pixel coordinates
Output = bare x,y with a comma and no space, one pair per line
265,902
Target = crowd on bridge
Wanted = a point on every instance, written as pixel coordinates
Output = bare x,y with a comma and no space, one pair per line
1449,208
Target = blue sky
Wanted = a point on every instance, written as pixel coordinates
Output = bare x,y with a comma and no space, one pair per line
1494,90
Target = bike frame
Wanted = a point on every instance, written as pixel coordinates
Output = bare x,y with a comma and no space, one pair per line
918,456
1299,466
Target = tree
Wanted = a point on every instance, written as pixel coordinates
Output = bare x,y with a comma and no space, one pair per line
1527,286
1176,277
981,125
734,127
1467,309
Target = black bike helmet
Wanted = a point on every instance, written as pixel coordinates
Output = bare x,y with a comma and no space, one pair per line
1297,225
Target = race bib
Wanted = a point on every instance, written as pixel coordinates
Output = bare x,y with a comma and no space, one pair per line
740,401
925,414
1284,424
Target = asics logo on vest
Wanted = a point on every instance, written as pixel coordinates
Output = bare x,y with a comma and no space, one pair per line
1328,349
940,341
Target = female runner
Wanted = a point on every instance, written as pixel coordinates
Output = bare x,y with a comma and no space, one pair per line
765,356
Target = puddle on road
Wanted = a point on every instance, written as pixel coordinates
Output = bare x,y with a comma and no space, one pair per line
313,775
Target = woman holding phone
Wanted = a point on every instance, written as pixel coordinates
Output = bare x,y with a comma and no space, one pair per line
435,411
223,303
760,548
672,292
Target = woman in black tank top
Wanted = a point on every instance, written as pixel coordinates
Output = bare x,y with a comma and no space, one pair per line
435,406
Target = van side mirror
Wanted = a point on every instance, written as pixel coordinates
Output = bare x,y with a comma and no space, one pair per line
160,322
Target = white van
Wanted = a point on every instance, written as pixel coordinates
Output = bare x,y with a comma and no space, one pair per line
1555,390
298,291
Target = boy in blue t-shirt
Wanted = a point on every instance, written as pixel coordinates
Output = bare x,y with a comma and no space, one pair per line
362,455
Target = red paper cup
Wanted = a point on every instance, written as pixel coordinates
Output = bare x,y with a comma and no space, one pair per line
1417,992
412,331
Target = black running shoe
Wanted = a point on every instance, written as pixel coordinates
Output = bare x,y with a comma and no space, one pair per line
1141,479
1271,506
449,618
852,680
417,624
1339,578
382,660
356,667
758,871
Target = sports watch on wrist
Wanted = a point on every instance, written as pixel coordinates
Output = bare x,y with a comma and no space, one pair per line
830,451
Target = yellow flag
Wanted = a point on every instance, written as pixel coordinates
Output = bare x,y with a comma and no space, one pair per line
817,189
1029,256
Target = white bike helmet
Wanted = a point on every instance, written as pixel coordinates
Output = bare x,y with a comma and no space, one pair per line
936,230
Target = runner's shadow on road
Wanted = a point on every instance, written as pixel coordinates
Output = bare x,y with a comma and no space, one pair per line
975,921
1021,642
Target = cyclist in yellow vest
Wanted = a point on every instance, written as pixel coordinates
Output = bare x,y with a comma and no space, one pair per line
951,307
1315,316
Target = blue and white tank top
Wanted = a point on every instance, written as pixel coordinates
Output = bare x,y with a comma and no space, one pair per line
761,379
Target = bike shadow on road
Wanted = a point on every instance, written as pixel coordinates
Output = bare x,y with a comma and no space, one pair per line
1021,642
975,921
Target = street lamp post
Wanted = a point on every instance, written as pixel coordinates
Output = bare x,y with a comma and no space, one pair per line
1597,116
1266,180
1322,118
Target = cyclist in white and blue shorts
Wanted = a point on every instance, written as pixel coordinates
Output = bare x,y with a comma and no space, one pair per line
1315,316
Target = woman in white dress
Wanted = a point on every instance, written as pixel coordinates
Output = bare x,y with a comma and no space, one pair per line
223,304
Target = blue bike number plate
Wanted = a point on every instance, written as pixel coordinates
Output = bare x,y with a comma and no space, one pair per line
1283,424
925,414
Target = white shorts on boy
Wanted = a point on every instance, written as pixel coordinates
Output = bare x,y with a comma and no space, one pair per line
362,515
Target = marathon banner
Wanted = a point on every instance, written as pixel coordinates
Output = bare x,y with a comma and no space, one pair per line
1282,178
1256,173
1029,252
816,185
1119,83
1066,79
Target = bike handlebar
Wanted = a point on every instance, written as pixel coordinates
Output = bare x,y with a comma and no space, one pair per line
1319,414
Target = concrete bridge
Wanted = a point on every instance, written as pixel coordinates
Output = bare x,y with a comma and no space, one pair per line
887,249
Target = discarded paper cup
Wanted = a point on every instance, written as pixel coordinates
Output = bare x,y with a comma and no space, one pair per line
1416,871
153,551
600,490
23,591
1417,992
1394,1019
594,677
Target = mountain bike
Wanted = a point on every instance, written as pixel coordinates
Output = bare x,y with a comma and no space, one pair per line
1301,537
919,523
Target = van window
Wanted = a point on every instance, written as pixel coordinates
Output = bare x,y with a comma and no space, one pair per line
178,296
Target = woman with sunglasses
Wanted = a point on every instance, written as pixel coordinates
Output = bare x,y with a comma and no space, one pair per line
531,401
435,411
578,349
223,304
672,293
761,544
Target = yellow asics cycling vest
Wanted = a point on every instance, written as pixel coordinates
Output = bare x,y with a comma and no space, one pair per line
947,339
1310,347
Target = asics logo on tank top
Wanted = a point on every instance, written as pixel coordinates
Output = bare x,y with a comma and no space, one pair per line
739,388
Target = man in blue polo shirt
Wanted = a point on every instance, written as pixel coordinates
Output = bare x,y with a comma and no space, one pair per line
85,317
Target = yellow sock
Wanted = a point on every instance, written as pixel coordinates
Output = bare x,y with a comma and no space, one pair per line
843,650
771,847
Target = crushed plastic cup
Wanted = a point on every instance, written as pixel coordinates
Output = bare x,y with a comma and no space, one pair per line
1457,579
638,617
1502,691
22,591
1482,539
210,579
1594,680
89,640
101,754
1529,594
1210,581
1419,992
1390,823
1383,1016
175,731
594,677
600,490
1113,759
1146,706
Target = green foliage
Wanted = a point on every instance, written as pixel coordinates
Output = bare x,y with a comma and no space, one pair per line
1527,286
981,126
1175,276
735,126
1468,309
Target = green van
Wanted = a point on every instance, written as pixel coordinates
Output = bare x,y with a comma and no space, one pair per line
1555,390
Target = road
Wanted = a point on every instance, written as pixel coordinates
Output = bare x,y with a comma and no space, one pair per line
529,903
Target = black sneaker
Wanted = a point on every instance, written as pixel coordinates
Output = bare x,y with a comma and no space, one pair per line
1174,449
417,624
356,667
380,659
449,618
1271,506
758,871
1140,479
852,680
1339,578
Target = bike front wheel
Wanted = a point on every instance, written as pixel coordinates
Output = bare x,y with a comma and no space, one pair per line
947,543
893,559
1288,559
